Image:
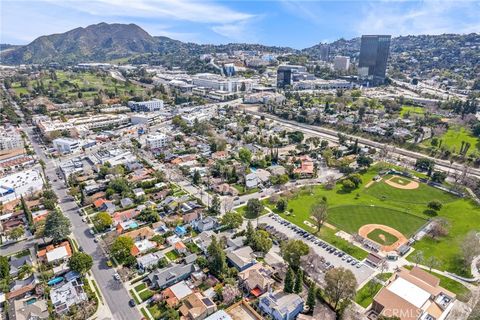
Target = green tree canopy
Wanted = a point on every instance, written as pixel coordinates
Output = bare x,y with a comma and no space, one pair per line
80,262
57,226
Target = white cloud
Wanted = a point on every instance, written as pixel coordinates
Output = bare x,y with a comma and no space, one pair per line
424,17
186,10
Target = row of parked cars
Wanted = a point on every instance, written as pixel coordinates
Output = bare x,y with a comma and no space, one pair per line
314,240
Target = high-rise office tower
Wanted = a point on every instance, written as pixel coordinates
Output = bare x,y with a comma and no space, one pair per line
285,74
372,65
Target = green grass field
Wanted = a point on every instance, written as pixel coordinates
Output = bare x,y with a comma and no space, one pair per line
382,237
364,296
400,180
350,218
452,139
403,210
413,111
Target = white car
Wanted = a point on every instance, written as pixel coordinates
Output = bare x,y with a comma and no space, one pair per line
116,276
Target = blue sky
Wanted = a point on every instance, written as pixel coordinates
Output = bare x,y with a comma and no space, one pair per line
298,24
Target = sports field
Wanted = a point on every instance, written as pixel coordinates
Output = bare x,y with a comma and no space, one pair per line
403,210
382,237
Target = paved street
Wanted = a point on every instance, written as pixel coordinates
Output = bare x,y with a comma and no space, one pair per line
362,274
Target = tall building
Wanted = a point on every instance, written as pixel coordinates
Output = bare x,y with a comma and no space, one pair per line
324,52
341,63
285,74
372,65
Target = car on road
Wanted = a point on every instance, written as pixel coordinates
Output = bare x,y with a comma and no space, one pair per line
91,231
116,276
132,303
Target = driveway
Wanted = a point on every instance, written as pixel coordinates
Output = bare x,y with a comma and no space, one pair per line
362,273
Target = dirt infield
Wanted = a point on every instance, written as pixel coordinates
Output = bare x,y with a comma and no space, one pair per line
366,229
409,186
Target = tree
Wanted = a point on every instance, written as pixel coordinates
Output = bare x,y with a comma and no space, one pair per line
425,164
217,263
249,233
298,281
319,213
470,247
435,205
245,155
364,161
439,176
254,208
121,249
214,209
289,282
102,221
418,258
340,287
348,185
149,216
311,299
232,220
197,178
57,226
4,267
292,250
439,228
16,233
261,241
282,205
80,262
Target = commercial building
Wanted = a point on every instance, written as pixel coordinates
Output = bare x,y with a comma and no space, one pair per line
341,63
219,83
372,65
156,141
413,295
286,73
229,69
66,145
10,139
146,106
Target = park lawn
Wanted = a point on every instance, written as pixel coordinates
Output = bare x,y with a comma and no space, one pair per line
364,296
400,180
243,211
412,110
377,234
350,218
422,195
452,139
172,255
462,292
462,214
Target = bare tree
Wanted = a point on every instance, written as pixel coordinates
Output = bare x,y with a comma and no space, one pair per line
432,262
439,228
319,213
418,258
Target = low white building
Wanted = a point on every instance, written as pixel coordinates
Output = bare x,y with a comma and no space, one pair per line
156,141
10,139
66,145
146,106
341,63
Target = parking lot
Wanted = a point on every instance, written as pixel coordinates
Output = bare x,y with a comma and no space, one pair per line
333,256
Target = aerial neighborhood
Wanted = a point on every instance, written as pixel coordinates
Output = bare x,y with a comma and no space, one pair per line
254,182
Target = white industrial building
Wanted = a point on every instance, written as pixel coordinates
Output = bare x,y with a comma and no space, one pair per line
219,83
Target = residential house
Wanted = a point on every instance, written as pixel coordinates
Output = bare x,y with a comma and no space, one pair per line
180,231
306,169
123,216
173,239
224,189
280,305
16,264
104,205
257,279
195,306
160,227
70,293
26,310
58,253
141,238
163,278
20,288
219,155
176,293
206,224
204,239
150,260
412,295
126,202
180,247
138,192
241,258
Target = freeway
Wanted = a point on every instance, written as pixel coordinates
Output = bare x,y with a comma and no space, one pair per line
332,135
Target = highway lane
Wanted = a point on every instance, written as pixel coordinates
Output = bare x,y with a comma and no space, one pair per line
332,135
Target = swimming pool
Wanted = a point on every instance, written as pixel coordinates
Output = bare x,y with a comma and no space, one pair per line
54,281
